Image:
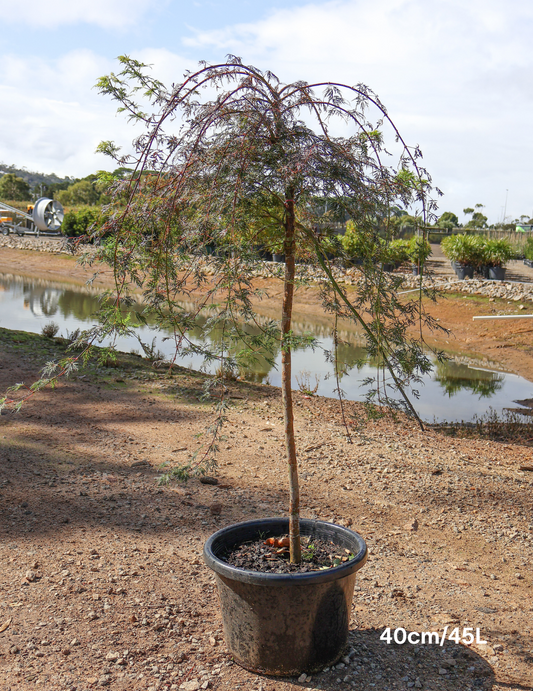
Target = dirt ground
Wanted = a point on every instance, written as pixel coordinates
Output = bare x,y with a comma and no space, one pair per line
102,582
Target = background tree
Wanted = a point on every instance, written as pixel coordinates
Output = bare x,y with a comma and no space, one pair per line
449,220
220,167
13,188
84,192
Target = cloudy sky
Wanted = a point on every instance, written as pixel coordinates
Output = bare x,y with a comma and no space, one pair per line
455,75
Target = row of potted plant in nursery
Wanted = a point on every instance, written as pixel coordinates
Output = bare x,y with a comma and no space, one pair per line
473,253
361,246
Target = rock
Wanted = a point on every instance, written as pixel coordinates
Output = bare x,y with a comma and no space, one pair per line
498,647
207,480
92,616
411,525
133,618
193,685
215,510
418,683
302,678
14,650
74,641
30,576
112,656
443,671
66,651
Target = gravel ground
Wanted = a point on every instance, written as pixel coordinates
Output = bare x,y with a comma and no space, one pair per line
102,583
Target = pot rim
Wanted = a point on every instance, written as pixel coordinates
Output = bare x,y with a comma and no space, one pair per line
281,525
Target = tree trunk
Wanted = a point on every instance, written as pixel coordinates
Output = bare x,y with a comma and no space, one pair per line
286,389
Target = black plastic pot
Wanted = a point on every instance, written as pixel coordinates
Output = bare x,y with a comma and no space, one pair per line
497,273
464,272
279,258
285,624
387,266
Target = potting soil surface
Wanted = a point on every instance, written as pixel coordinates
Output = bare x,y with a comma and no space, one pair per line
273,556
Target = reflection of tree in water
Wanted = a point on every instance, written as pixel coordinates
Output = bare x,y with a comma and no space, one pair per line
454,377
43,301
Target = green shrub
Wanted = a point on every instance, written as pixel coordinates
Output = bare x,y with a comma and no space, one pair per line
79,222
497,252
418,250
528,250
466,250
397,251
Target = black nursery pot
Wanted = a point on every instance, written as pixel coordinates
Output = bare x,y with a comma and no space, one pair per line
285,624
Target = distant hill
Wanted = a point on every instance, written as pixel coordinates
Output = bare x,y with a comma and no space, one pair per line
35,180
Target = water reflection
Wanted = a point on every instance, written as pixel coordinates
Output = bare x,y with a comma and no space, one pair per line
455,391
455,376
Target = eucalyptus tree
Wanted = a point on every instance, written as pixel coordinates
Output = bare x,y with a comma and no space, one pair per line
230,153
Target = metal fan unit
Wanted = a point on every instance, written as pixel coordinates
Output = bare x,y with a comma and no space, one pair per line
45,216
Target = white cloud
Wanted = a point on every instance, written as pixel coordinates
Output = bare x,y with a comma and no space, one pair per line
52,118
455,76
115,14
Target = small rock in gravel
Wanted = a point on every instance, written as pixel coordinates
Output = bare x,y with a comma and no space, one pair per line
411,525
30,576
443,671
14,650
193,685
66,651
92,616
215,509
302,678
207,480
74,641
112,656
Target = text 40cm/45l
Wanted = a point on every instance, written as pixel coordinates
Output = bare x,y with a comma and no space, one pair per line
467,636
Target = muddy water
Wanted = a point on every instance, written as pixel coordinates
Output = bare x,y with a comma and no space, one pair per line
460,389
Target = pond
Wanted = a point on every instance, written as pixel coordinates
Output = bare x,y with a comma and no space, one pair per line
457,390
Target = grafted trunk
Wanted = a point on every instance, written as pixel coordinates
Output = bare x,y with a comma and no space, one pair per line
286,389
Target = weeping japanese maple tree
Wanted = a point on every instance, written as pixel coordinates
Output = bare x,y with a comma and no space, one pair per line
230,155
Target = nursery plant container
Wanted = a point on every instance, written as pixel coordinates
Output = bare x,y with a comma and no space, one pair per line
285,624
464,272
387,266
279,258
497,273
